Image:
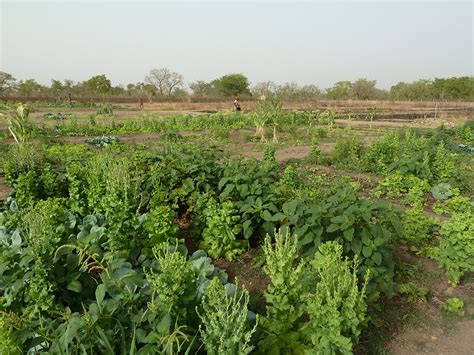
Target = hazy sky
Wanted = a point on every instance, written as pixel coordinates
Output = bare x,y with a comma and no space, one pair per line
305,42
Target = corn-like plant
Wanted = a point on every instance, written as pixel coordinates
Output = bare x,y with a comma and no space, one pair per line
268,112
18,124
224,328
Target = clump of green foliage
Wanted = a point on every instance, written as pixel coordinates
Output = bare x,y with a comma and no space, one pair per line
219,236
283,294
224,328
347,153
337,308
418,226
398,184
413,291
326,289
454,203
457,246
454,306
106,109
269,151
55,116
102,141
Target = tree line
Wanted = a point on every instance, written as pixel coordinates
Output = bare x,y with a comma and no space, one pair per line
163,83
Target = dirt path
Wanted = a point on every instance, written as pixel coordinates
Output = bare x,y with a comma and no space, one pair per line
430,330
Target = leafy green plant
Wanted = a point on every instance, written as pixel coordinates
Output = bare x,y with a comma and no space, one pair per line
337,308
221,132
442,191
444,164
364,228
106,109
171,136
455,204
224,328
269,151
55,116
314,155
219,237
102,141
173,284
283,293
399,184
418,226
457,246
158,222
348,153
454,306
413,291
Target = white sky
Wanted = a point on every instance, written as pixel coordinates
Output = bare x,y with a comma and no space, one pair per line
307,42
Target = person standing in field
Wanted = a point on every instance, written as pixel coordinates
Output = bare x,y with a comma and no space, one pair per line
237,104
69,99
141,103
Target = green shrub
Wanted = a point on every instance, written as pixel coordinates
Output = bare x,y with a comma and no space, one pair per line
283,294
224,328
348,153
454,306
413,291
219,237
399,184
418,226
455,204
106,109
337,308
269,151
457,246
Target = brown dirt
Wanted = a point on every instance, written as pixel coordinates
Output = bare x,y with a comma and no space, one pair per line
243,269
4,189
430,330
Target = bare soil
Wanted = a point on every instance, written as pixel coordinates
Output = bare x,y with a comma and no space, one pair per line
4,189
429,329
244,270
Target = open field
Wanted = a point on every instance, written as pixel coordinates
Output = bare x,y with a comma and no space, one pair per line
117,224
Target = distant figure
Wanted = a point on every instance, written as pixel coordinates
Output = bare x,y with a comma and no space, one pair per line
263,97
237,104
69,99
141,103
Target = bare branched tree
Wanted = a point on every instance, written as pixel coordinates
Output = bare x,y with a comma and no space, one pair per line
164,80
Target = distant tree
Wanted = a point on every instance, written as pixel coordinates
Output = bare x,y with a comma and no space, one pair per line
7,82
461,88
57,88
99,84
417,90
287,91
232,85
28,87
202,88
364,89
68,85
266,88
164,80
292,91
117,90
147,90
342,90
